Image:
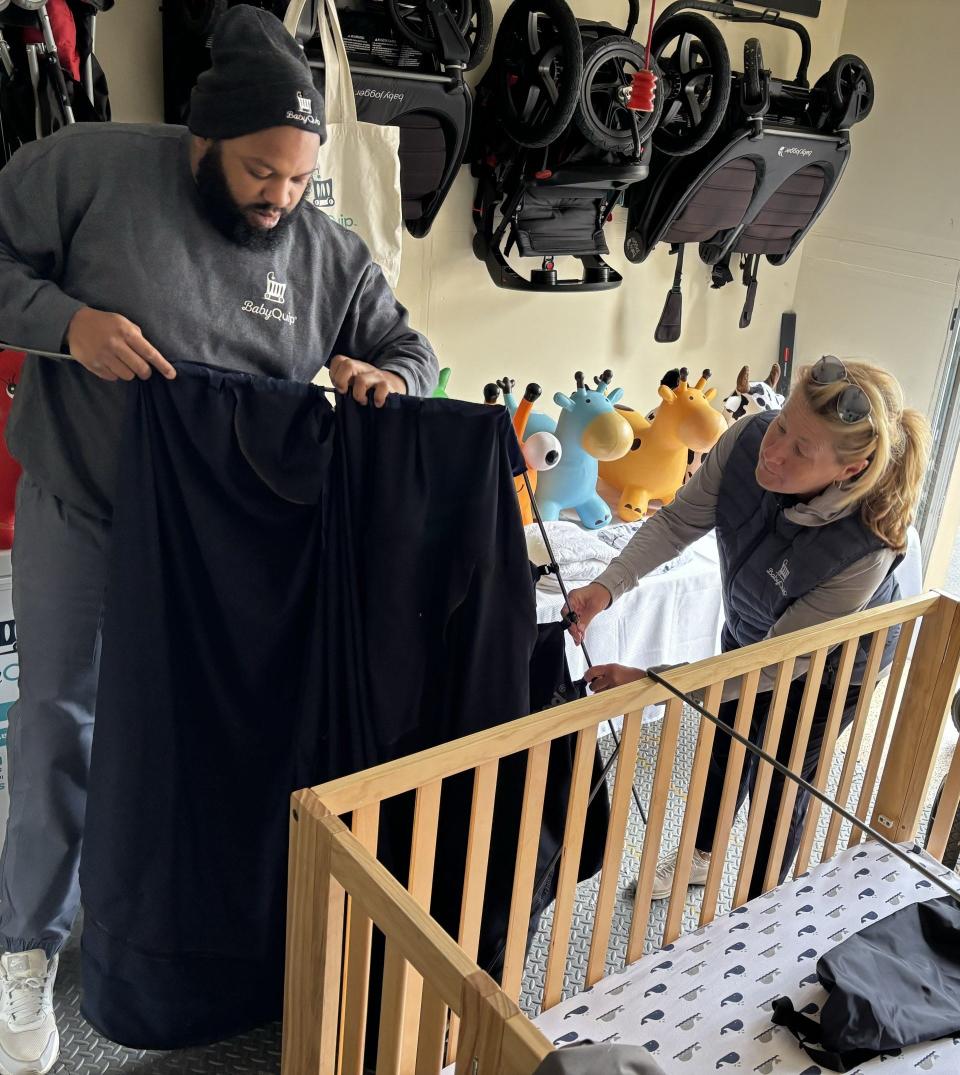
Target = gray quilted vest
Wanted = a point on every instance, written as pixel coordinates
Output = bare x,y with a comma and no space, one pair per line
768,562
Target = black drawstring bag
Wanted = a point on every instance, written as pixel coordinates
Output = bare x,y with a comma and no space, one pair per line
893,984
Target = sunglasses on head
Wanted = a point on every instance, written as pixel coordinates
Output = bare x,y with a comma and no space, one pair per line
852,403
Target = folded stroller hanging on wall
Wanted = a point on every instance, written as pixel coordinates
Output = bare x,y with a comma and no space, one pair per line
557,139
49,76
744,163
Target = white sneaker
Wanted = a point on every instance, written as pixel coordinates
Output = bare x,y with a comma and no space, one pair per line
667,867
29,1042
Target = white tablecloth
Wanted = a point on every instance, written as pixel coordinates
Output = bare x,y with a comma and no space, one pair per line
669,618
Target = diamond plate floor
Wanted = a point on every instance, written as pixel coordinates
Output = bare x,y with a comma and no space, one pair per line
83,1052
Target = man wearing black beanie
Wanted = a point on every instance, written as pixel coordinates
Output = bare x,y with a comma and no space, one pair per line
125,248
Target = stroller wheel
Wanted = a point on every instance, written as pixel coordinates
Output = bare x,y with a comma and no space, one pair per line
480,32
602,115
752,67
695,63
850,86
537,70
414,25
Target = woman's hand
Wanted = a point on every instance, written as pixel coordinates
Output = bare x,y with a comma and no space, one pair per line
586,602
603,677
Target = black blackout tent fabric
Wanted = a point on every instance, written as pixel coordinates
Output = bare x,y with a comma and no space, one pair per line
893,984
297,592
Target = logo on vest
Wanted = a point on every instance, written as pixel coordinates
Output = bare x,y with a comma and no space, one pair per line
276,294
780,577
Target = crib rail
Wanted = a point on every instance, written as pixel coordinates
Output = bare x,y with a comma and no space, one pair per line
436,1006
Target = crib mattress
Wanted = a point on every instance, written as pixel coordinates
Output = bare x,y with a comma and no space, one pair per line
703,1004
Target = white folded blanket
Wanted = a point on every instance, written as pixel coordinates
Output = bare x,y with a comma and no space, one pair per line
582,554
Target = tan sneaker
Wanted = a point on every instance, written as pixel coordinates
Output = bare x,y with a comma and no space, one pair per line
29,1042
667,867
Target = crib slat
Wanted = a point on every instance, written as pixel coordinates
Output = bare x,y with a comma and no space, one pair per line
430,1038
761,792
857,729
656,811
475,875
392,1015
728,799
613,849
691,815
569,865
890,699
353,1022
801,735
946,810
423,848
528,845
831,732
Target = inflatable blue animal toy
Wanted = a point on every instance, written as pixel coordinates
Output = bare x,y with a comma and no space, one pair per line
589,429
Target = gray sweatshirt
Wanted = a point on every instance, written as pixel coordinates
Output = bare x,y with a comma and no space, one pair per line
693,514
108,216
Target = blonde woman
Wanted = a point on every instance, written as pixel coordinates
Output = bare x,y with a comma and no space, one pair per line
811,506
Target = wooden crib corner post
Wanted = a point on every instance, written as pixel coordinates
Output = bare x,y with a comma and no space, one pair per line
315,910
495,1038
920,723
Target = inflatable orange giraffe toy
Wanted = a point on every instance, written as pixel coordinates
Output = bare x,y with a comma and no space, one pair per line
541,451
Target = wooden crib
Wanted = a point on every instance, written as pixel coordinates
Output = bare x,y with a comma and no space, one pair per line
438,1007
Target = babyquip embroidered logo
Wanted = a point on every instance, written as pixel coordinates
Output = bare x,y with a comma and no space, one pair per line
304,111
275,290
780,577
275,293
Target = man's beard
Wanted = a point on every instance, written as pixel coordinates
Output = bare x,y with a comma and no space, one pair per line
226,215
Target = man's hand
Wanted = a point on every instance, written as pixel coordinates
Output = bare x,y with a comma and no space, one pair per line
604,677
113,348
352,375
586,602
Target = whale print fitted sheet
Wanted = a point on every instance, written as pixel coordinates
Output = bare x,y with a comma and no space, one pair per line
703,1004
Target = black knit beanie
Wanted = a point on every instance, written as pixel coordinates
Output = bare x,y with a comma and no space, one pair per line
259,78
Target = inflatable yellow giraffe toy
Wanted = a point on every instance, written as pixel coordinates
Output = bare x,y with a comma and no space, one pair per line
655,466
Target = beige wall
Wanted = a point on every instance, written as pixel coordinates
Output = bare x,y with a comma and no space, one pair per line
879,274
484,332
128,47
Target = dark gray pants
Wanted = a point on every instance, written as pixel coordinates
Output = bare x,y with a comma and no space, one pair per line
59,575
748,777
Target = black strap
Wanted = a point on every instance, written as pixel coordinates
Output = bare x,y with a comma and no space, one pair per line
804,1030
751,263
721,275
668,327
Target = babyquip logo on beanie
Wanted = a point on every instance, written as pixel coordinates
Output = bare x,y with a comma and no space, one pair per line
304,111
258,78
